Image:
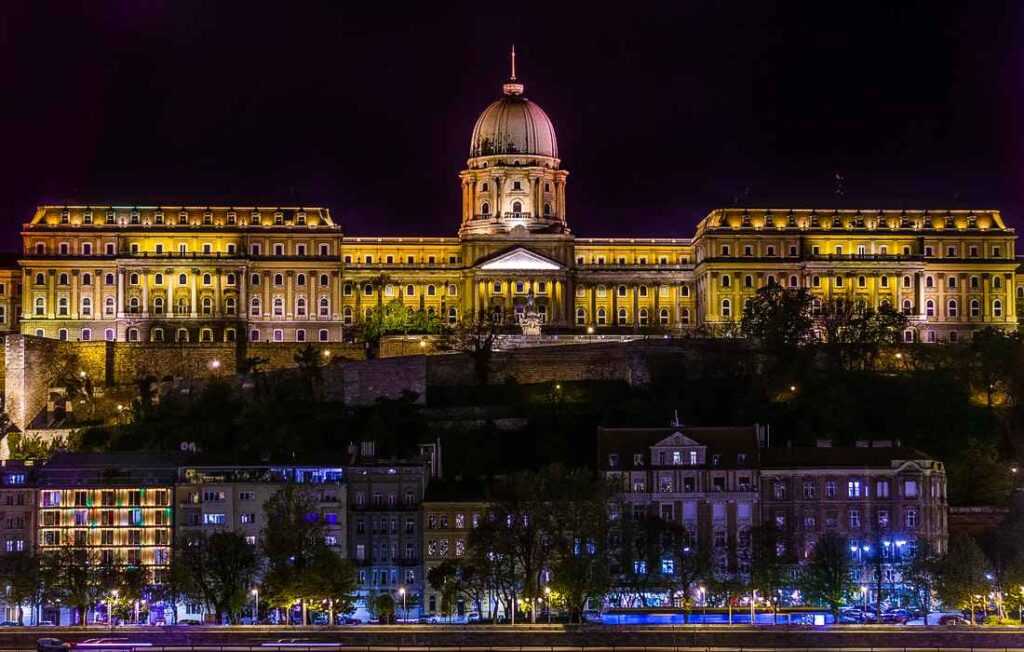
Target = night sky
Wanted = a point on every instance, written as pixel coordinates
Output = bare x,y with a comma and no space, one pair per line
663,112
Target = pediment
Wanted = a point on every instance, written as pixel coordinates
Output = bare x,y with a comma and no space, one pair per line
677,439
520,259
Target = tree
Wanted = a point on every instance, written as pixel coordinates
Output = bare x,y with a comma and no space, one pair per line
477,340
640,542
777,317
21,573
960,575
309,361
395,317
331,579
920,573
978,477
577,521
76,577
383,607
855,331
216,570
826,579
127,585
769,561
446,578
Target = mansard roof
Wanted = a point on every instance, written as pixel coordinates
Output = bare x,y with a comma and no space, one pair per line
726,442
810,457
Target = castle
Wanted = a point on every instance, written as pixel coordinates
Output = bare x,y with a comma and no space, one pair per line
223,274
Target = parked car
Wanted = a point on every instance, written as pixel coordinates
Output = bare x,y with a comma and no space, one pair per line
935,618
951,620
189,622
896,616
51,645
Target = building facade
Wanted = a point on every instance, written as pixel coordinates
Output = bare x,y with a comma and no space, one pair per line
701,479
385,529
446,530
222,273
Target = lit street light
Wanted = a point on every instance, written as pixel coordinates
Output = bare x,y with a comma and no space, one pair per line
405,606
256,611
547,597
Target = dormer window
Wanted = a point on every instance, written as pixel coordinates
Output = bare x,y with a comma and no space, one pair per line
158,218
715,459
677,457
693,458
300,218
65,216
87,217
134,217
613,460
254,218
278,219
207,218
110,217
232,218
638,459
183,217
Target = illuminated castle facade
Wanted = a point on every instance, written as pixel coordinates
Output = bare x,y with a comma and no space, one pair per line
289,274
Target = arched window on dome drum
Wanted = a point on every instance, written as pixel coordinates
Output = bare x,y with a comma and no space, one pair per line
300,279
725,280
207,279
485,209
581,316
63,279
278,280
517,207
997,282
324,280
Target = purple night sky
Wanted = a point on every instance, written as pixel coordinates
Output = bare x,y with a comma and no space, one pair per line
662,111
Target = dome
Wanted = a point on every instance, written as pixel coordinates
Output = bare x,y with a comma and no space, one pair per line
513,125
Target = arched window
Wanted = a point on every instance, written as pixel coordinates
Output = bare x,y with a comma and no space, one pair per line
157,335
40,306
547,209
300,279
207,279
325,307
181,335
158,305
517,207
907,282
346,315
997,307
1020,292
684,315
602,317
108,306
663,316
86,334
40,249
621,317
908,307
300,335
453,315
684,291
725,280
86,306
323,335
300,307
643,317
929,282
62,334
206,335
929,308
951,308
229,305
230,279
254,279
207,306
278,279
485,209
368,290
997,282
254,335
182,279
40,279
324,280
908,335
133,279
748,281
108,279
62,306
133,334
133,304
108,334
621,290
62,279
86,278
158,279
254,307
951,282
726,308
581,316
793,281
975,308
278,306
862,281
278,335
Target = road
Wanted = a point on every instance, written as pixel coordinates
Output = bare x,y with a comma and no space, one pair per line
528,638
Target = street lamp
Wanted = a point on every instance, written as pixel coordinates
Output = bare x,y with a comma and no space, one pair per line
405,607
256,611
864,595
547,597
703,606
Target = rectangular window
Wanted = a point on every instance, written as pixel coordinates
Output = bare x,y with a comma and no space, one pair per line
853,489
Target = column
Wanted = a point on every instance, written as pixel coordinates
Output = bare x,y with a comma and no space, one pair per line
218,297
120,293
266,295
169,308
145,292
656,317
193,286
74,294
593,304
243,297
97,297
289,295
636,306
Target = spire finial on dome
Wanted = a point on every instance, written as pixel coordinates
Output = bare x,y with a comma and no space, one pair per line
513,86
